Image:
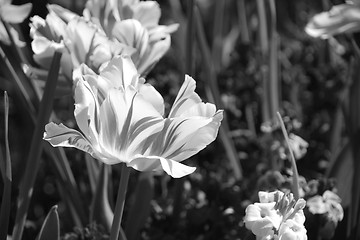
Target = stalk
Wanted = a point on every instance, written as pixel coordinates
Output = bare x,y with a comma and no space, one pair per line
292,159
120,202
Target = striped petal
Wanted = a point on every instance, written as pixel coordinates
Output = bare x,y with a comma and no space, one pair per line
62,136
127,121
120,72
155,163
199,139
177,132
186,98
87,111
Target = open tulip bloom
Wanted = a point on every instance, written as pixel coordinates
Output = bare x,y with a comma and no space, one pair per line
120,118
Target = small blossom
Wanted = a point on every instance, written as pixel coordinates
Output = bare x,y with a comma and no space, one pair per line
277,216
121,120
298,145
329,204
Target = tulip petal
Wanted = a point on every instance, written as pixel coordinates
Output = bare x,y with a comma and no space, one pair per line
86,110
151,95
148,13
15,13
127,121
81,36
186,98
199,139
62,136
155,163
63,13
172,141
154,51
120,72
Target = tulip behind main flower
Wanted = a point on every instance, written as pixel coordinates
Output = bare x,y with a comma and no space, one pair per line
120,118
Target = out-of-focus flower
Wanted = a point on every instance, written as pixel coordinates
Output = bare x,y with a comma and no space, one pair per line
329,204
277,216
150,45
107,13
12,14
79,40
131,23
121,120
135,23
298,145
343,18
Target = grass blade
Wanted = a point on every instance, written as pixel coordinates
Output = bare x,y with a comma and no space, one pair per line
217,34
33,160
24,87
50,229
7,178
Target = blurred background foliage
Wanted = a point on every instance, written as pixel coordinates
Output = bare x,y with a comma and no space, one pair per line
312,89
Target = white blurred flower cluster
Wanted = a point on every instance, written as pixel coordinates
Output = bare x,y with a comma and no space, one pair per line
277,216
106,29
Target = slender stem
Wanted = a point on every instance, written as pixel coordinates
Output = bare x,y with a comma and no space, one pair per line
292,159
120,202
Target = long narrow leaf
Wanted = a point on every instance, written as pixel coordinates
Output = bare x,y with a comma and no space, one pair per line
33,160
218,34
7,178
24,88
274,93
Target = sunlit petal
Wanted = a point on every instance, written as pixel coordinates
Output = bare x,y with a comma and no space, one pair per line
153,52
176,134
154,163
120,72
186,98
65,14
62,136
147,13
86,110
151,95
199,139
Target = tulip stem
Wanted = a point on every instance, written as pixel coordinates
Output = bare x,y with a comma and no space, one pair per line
120,201
292,159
